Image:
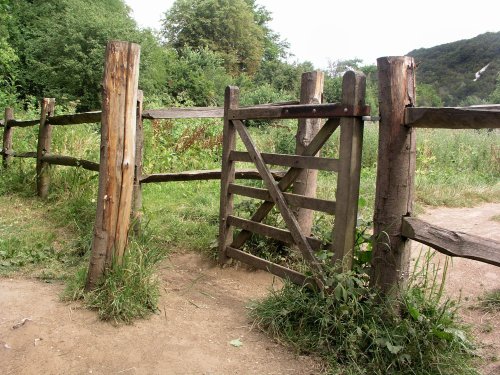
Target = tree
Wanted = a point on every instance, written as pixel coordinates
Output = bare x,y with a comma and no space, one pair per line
228,27
61,43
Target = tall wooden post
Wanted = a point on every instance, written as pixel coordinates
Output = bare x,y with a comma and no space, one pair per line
347,194
395,173
231,101
7,138
311,91
139,151
116,171
43,147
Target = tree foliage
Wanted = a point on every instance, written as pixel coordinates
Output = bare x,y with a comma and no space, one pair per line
228,27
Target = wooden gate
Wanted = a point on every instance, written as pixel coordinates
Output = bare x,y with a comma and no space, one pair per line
347,115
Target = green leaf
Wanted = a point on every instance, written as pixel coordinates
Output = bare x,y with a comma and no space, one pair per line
236,343
394,349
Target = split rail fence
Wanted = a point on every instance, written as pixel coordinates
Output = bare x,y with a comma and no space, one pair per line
121,174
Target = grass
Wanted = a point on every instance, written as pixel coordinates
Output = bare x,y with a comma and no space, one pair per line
128,291
357,331
491,301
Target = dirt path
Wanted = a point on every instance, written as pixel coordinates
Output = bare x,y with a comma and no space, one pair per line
469,279
203,308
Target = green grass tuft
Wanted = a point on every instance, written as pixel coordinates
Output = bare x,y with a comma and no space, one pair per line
127,291
357,331
491,301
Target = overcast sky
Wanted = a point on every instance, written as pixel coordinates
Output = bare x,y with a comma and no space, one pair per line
322,30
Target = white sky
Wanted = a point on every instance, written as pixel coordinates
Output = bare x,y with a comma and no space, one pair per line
322,30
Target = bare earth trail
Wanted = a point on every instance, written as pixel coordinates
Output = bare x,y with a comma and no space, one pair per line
202,308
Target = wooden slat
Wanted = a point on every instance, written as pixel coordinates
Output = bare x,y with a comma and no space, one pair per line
275,269
231,100
295,161
295,200
318,141
282,235
177,113
299,111
70,162
243,174
347,194
279,200
76,118
452,118
452,243
7,139
22,123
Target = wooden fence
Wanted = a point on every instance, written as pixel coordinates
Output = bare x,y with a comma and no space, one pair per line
394,225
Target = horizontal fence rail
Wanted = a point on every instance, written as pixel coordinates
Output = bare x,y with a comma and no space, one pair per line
452,243
298,111
249,174
483,117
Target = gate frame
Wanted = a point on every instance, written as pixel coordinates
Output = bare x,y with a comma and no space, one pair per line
348,115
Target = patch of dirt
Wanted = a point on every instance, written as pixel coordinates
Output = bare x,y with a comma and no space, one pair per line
203,308
468,280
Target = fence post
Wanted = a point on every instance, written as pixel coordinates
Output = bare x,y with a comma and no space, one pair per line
311,90
116,170
139,152
43,147
7,138
231,101
395,173
347,194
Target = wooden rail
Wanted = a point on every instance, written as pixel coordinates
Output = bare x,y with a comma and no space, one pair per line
298,111
249,174
453,118
70,162
295,161
452,243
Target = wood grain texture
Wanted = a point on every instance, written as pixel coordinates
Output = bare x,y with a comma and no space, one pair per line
347,193
116,173
22,123
452,243
453,118
295,161
139,152
177,113
298,111
395,173
311,92
43,147
295,200
231,101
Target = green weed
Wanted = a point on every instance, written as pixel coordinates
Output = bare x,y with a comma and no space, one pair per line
357,332
128,291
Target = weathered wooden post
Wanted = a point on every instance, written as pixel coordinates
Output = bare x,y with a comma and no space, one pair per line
139,152
395,173
311,91
347,194
116,171
7,138
231,101
43,147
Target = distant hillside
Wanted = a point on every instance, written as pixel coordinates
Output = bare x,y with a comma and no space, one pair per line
451,68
